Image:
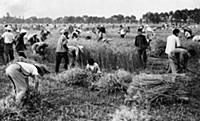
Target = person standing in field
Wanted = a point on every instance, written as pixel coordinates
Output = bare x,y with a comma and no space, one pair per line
8,37
179,58
62,50
173,42
20,46
141,44
19,72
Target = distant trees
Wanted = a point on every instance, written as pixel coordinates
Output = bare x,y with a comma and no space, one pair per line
177,16
183,16
70,19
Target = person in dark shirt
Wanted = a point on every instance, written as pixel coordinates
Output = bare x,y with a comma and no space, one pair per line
141,44
20,46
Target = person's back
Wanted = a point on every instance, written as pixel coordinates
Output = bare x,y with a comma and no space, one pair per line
60,43
172,43
141,42
20,46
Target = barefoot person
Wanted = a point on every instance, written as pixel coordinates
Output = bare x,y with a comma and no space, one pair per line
19,73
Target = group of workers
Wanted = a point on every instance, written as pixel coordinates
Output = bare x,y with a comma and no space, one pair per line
178,55
20,71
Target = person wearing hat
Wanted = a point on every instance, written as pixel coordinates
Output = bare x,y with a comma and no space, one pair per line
62,50
19,73
20,46
8,37
141,44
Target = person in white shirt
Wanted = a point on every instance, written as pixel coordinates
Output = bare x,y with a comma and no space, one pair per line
92,66
8,37
172,43
19,73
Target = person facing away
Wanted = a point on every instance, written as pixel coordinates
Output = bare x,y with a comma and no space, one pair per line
62,50
19,73
8,37
20,46
172,43
142,44
179,58
92,66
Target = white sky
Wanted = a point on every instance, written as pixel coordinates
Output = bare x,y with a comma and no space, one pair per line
107,8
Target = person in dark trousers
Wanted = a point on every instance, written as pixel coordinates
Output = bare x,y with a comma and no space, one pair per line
142,44
62,50
8,37
179,58
20,46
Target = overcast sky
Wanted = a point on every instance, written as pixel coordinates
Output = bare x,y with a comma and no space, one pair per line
107,8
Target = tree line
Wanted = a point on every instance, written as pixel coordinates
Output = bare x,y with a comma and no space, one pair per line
70,19
183,16
178,16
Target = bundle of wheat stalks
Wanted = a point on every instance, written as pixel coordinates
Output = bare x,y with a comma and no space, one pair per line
75,76
161,89
113,82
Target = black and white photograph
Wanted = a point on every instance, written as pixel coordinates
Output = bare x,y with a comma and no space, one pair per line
99,60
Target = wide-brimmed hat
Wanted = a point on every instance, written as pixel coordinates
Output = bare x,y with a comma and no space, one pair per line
8,28
23,31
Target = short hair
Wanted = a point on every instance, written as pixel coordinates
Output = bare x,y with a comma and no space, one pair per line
176,31
90,61
140,30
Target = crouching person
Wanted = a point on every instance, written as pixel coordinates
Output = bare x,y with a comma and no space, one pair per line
92,66
19,73
179,59
40,48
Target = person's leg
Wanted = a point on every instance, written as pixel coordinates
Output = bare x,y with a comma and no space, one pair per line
6,54
168,66
144,58
139,52
11,53
58,61
183,61
65,56
174,63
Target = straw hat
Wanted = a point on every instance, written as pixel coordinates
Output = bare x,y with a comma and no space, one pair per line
23,31
8,28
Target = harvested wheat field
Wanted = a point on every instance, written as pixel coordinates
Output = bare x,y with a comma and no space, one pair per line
122,92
